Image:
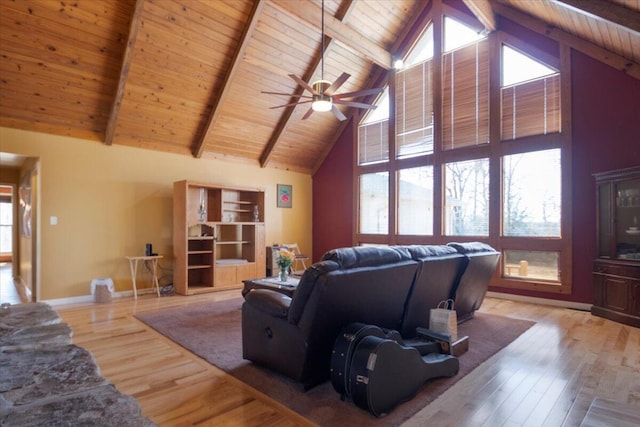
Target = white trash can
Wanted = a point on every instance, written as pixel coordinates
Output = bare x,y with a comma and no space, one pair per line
102,289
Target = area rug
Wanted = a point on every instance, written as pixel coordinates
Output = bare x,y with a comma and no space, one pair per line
213,331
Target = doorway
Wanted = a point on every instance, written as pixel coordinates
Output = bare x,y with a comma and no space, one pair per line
19,236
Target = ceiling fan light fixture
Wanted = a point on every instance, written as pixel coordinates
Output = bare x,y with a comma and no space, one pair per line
321,105
321,102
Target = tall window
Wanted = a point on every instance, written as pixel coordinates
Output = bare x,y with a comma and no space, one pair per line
415,201
467,198
433,172
374,203
531,194
373,133
414,100
465,87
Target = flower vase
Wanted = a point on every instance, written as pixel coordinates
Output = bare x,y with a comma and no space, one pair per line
284,274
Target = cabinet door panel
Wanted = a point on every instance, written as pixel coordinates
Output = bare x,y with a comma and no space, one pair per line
246,271
616,293
225,275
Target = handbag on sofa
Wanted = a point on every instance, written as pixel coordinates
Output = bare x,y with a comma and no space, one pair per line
443,319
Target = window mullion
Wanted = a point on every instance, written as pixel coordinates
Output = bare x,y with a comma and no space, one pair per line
393,203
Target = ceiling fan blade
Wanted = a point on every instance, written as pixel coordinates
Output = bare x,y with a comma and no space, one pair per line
338,113
289,105
307,114
286,94
358,93
355,104
303,84
336,85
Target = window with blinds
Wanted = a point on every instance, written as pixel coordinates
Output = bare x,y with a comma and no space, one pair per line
373,142
530,96
414,110
373,133
465,96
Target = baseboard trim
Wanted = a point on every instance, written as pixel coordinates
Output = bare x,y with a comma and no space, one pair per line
543,301
83,299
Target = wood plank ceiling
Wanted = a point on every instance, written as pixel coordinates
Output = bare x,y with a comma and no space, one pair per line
185,76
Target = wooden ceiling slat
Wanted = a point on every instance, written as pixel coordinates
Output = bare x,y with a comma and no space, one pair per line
155,44
56,48
170,78
25,75
623,17
229,77
202,30
83,34
28,123
148,100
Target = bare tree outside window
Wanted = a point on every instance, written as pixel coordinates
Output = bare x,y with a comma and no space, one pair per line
467,198
531,194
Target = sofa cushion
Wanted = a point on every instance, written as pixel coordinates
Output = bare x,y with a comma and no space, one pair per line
423,251
366,256
305,287
272,303
471,247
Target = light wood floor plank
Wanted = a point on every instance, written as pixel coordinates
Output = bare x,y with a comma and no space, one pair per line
548,377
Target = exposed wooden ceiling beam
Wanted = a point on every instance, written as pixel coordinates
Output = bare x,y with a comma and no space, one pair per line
136,20
339,31
313,69
484,12
609,11
198,147
612,59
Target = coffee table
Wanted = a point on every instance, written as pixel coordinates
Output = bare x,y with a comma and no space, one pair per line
272,283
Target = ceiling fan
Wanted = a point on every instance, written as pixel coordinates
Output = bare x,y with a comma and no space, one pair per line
323,93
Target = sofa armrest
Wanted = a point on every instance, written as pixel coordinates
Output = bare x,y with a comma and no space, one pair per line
269,302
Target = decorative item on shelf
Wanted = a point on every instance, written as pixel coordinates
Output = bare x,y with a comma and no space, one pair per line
256,213
202,207
284,259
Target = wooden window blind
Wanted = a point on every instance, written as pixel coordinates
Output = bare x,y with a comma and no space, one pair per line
373,142
531,108
465,96
414,110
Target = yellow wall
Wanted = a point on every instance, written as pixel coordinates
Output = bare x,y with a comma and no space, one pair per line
111,200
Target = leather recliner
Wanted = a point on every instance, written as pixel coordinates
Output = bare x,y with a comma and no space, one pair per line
391,287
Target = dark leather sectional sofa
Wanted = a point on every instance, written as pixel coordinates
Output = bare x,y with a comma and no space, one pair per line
392,287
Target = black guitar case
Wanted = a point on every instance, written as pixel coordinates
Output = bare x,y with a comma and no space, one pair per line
343,349
347,341
384,373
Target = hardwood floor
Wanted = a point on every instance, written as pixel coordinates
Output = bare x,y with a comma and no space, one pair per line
547,377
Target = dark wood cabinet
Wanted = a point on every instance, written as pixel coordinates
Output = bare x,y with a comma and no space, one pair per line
616,271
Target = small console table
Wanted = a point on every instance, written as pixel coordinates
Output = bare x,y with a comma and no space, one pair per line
133,265
272,283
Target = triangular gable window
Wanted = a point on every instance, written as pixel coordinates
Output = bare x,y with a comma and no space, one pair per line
518,67
530,96
373,133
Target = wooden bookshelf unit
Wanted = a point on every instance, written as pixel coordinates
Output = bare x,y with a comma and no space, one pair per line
218,236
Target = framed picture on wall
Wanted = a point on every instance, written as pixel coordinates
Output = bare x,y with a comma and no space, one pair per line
285,196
